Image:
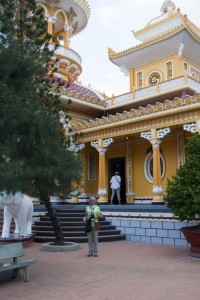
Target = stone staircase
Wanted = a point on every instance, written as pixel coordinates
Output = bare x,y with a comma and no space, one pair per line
73,228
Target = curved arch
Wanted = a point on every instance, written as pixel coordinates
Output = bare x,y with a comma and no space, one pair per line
64,13
43,6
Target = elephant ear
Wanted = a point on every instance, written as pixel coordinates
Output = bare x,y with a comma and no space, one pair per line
17,198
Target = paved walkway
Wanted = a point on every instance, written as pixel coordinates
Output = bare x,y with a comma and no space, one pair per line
124,270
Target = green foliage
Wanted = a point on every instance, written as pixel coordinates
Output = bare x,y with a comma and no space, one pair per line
183,191
33,150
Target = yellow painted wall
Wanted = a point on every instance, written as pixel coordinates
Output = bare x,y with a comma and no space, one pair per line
160,65
141,186
168,149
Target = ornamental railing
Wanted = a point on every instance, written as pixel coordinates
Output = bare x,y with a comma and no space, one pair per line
159,88
69,53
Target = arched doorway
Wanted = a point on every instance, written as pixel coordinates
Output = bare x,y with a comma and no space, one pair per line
117,164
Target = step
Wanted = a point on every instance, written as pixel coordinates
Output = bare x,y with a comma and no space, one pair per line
83,239
61,219
75,228
75,233
66,224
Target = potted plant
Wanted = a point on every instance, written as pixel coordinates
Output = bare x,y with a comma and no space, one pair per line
183,194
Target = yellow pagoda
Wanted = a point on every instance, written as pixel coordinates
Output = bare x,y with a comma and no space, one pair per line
142,133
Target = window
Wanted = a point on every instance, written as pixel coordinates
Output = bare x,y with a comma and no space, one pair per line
195,74
185,68
91,166
148,166
139,80
169,70
154,78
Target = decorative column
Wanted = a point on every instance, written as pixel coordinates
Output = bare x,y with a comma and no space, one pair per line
50,23
101,146
78,189
154,137
66,35
157,180
129,194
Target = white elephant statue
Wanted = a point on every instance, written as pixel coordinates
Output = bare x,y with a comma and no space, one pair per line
19,207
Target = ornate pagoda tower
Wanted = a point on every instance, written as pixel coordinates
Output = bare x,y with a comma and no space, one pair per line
66,18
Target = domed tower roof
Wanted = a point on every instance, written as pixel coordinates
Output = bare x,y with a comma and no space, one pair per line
167,6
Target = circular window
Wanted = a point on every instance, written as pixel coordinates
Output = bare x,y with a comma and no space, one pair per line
154,78
148,166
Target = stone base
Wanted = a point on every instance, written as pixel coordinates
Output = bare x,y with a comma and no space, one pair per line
69,246
26,241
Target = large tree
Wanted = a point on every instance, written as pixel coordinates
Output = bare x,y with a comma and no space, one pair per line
34,154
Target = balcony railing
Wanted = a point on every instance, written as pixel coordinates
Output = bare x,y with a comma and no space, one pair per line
159,88
69,53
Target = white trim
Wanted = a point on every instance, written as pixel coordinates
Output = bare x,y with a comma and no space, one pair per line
147,161
43,6
64,13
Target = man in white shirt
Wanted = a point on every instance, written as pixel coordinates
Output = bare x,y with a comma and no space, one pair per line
115,186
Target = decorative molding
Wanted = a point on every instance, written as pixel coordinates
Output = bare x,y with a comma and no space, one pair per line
146,135
155,143
180,50
124,70
51,19
161,133
168,107
138,127
157,189
107,142
95,144
102,191
102,150
190,127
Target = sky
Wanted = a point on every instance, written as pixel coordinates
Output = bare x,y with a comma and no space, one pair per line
110,26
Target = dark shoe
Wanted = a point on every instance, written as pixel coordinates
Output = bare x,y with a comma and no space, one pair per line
96,255
89,255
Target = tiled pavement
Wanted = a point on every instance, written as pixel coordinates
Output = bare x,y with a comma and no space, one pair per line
124,270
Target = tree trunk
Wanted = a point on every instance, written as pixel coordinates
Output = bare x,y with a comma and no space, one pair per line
59,237
55,223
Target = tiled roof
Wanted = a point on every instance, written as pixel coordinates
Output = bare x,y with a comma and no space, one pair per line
78,88
84,90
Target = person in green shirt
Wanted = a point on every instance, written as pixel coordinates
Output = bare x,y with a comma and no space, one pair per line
93,214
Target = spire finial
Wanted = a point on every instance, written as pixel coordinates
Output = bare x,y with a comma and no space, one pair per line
168,6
